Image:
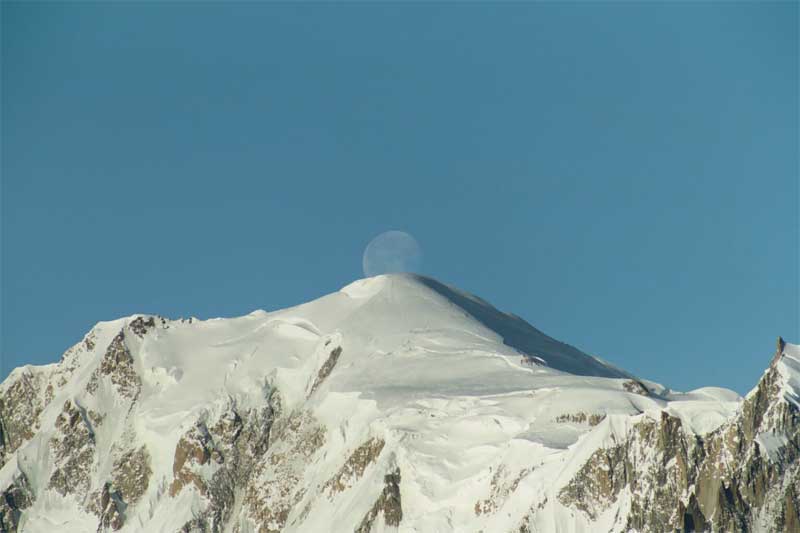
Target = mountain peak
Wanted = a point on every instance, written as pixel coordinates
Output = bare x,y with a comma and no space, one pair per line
406,296
395,402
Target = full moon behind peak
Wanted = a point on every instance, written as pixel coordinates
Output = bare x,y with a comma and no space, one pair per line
392,251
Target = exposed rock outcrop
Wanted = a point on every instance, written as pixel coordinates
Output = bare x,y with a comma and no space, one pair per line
140,325
194,449
277,485
107,505
503,484
637,387
353,469
387,507
118,365
233,445
131,474
21,403
73,450
581,418
680,481
15,499
327,368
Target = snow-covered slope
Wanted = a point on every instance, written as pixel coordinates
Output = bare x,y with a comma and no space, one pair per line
397,403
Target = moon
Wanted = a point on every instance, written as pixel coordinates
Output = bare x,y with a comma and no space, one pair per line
392,251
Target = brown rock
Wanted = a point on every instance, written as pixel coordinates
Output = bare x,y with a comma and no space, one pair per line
388,504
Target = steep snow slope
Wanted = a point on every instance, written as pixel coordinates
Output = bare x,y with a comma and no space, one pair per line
395,403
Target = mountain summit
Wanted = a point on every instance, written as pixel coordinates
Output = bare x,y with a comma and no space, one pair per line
395,404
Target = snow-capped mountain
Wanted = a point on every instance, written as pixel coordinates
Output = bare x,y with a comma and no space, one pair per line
395,404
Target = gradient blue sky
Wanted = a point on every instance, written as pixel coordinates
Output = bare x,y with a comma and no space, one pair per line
622,175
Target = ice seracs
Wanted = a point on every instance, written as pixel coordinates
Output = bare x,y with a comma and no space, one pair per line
396,403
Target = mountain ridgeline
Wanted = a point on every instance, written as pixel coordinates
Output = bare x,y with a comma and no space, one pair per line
395,404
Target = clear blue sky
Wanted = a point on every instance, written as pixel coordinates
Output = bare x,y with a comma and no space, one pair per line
624,175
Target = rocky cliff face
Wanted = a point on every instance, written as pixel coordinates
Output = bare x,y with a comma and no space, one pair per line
381,410
740,477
